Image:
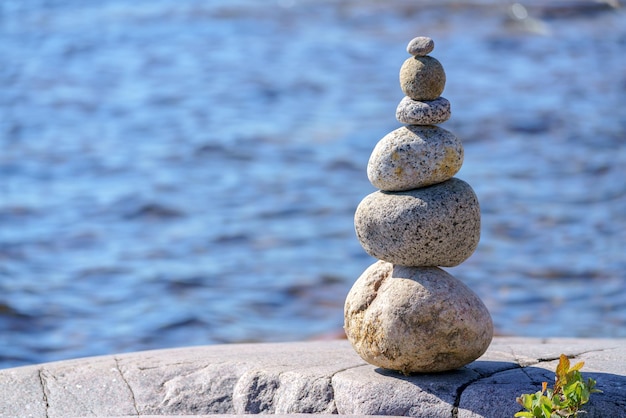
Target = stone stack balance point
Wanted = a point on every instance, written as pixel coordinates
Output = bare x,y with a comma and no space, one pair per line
405,313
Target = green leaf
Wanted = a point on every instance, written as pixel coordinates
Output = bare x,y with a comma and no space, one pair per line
557,402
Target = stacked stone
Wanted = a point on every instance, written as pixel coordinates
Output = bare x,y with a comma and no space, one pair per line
405,313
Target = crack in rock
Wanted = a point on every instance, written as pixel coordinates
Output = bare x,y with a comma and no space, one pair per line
55,392
333,400
132,393
481,376
348,368
530,378
181,363
45,390
574,355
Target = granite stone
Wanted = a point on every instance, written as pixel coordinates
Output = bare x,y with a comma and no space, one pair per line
420,46
414,156
422,78
314,376
414,112
415,319
438,225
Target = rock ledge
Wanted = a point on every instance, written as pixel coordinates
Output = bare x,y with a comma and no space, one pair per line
321,377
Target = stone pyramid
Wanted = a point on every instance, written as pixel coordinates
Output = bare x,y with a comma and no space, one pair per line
405,313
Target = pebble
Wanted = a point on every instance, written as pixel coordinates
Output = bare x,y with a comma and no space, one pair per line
414,156
415,319
413,112
438,225
422,78
420,46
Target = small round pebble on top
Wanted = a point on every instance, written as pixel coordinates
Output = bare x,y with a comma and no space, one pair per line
420,46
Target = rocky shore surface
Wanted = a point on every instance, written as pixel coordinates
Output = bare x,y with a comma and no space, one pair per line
319,377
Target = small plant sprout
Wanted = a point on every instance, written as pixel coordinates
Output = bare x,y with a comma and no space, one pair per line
570,392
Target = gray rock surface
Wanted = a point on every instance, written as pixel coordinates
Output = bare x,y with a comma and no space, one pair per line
420,46
422,78
437,225
414,156
413,112
539,361
415,319
313,376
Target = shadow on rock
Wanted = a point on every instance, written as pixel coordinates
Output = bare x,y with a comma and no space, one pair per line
489,389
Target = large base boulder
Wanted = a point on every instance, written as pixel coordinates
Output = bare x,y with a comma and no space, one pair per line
415,319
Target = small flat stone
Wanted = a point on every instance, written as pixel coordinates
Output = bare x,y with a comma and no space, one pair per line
420,46
415,319
422,78
414,156
432,112
437,225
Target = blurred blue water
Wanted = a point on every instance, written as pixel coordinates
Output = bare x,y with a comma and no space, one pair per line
186,172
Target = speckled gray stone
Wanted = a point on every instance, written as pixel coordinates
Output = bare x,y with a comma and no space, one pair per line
415,319
420,46
414,156
437,225
431,112
422,78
